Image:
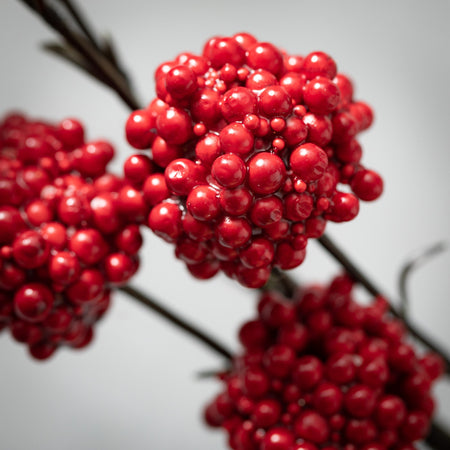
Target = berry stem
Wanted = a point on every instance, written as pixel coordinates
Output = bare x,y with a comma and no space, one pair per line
84,52
438,437
176,320
81,21
280,281
409,267
362,278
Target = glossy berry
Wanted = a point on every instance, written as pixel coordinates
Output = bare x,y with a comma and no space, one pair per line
300,382
246,133
33,302
69,231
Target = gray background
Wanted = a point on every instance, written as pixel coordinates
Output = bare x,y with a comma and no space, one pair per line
136,386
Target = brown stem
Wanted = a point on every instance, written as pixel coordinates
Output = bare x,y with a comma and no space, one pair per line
176,320
104,46
81,22
107,71
281,282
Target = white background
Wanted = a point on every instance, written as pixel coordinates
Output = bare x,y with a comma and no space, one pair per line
136,386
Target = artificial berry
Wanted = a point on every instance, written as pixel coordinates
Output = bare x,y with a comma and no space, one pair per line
67,231
247,133
300,386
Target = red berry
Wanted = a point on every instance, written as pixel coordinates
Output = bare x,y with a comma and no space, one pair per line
275,101
30,250
71,133
137,168
88,245
174,126
140,129
119,267
367,185
229,170
390,412
237,103
253,334
222,50
88,288
236,138
266,413
309,162
328,399
236,202
255,382
259,253
163,152
259,79
155,189
321,95
203,203
279,360
165,221
266,173
266,211
311,426
415,426
181,82
265,56
233,232
33,302
64,267
344,207
182,175
319,64
205,106
360,401
307,372
277,439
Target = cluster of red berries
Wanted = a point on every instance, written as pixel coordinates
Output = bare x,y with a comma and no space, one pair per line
322,371
253,144
66,235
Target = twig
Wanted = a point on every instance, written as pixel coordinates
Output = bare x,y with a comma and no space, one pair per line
104,46
281,282
81,22
176,320
438,437
363,279
412,264
87,51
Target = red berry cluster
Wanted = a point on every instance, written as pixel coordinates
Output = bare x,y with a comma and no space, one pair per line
65,233
254,144
325,372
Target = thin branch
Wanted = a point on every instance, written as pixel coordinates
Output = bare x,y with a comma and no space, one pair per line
104,46
438,437
212,373
410,266
281,282
69,54
363,279
176,320
84,47
81,22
